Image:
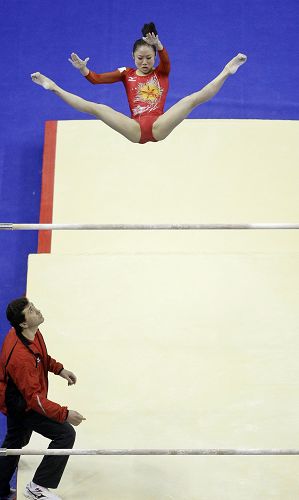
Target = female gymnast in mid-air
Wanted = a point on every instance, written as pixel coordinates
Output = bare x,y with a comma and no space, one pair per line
146,89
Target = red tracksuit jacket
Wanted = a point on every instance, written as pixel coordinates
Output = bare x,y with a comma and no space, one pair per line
27,364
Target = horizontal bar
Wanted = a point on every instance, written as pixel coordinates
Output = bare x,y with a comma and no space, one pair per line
201,451
142,227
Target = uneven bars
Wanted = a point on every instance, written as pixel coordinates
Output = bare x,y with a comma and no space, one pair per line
201,451
7,226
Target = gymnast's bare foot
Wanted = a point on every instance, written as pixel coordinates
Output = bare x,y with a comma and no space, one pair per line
43,80
235,63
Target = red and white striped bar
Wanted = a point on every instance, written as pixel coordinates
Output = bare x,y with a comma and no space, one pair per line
7,226
173,451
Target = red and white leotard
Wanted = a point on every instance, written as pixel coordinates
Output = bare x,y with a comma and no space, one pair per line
146,94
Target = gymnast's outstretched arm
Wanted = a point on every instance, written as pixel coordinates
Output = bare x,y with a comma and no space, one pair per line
92,76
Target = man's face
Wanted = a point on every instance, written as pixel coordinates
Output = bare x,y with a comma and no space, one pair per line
33,317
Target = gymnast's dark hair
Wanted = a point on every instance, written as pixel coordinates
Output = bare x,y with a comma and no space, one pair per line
147,28
14,313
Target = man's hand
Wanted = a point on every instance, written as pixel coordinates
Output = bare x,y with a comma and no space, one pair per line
74,418
69,376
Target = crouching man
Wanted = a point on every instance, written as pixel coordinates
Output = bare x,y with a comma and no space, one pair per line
24,367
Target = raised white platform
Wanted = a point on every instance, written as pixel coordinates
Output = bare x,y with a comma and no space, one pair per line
206,171
182,351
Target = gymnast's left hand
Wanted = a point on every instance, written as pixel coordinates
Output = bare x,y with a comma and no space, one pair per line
153,39
69,376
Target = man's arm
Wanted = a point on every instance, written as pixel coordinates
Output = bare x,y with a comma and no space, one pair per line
26,378
54,366
58,369
69,376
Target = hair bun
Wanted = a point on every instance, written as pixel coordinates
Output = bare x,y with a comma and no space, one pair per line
149,28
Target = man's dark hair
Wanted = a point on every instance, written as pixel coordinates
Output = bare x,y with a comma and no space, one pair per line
147,28
14,312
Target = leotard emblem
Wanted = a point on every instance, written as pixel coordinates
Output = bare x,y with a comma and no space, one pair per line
149,93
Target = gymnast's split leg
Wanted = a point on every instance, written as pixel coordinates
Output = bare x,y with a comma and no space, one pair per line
165,124
117,121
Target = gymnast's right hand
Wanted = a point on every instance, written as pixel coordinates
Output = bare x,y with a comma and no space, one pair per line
79,63
74,418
